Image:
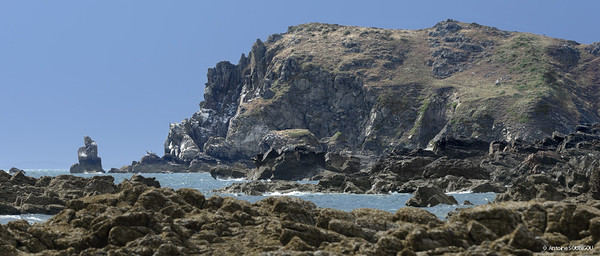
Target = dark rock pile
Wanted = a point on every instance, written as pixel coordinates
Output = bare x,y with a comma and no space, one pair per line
89,162
20,194
142,220
430,196
237,171
289,164
151,163
556,168
560,167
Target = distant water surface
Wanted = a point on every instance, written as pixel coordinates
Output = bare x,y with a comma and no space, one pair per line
205,183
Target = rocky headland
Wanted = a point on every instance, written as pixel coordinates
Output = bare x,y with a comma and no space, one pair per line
144,220
368,91
455,107
362,104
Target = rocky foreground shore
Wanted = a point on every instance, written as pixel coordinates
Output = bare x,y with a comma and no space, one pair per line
145,220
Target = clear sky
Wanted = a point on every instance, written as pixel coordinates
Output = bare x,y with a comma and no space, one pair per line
121,71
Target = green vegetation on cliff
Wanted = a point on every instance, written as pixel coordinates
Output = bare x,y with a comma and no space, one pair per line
384,88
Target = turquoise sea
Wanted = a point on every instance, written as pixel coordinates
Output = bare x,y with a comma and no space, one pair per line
205,183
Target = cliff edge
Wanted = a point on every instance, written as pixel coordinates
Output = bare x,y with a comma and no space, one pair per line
371,90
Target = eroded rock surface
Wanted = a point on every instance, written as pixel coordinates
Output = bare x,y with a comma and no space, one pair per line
142,220
20,194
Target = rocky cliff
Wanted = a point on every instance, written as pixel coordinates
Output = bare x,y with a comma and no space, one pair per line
368,90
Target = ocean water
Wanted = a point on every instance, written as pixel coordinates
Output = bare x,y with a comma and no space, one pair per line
205,183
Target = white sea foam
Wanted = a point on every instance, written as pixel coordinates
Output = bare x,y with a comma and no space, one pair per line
16,217
86,172
230,179
459,192
291,193
31,218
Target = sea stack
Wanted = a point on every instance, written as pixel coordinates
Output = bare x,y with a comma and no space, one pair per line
88,158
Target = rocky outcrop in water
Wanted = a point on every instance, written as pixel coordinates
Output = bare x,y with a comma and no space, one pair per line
151,163
20,194
89,162
430,196
237,171
141,220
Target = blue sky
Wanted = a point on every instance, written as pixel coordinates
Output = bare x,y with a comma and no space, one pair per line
121,71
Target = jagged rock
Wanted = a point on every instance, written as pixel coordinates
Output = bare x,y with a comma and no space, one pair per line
594,49
461,147
404,168
455,167
289,138
14,170
480,233
340,163
565,54
543,158
19,178
88,158
488,187
594,180
447,62
416,215
452,167
152,163
139,179
295,163
446,27
430,196
337,143
228,172
522,238
343,183
48,195
531,187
